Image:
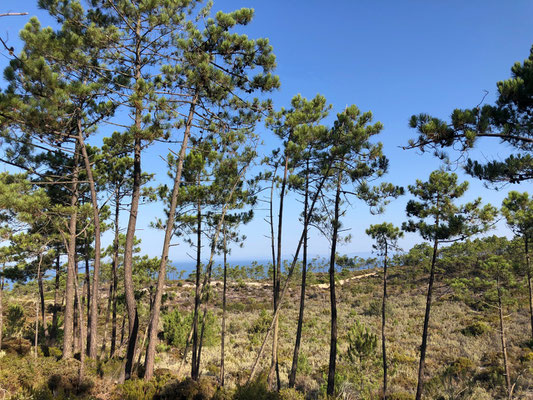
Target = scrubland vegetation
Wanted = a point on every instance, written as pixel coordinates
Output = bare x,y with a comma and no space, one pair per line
451,318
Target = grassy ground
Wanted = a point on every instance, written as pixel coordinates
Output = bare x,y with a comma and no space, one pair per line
463,360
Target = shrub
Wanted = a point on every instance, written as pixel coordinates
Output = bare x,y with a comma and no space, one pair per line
15,320
290,394
361,343
476,329
176,328
256,390
188,389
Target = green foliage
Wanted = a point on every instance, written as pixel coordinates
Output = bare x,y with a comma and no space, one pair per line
362,343
176,328
477,328
256,389
15,320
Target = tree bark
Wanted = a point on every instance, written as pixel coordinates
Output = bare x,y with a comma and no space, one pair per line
41,295
154,320
93,322
194,371
1,303
294,367
423,347
223,328
131,304
332,294
503,341
383,322
68,326
56,297
39,279
528,271
274,366
115,277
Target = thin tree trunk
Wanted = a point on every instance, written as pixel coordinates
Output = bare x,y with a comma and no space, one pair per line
423,347
154,319
223,329
56,297
41,298
107,318
70,245
274,366
528,271
383,322
194,371
93,322
82,332
332,294
503,341
271,221
286,284
292,375
87,288
39,279
1,304
131,304
115,277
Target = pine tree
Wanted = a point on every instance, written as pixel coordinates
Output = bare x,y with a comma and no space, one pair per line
509,120
386,236
517,208
439,220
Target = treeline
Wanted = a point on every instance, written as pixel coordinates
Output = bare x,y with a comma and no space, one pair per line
175,75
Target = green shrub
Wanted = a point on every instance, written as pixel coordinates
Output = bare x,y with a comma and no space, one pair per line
15,320
256,390
361,343
176,328
188,389
476,329
290,394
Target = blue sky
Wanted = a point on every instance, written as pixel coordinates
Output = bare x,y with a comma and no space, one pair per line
395,58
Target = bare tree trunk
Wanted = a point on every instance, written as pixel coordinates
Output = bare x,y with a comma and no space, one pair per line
1,303
383,322
528,271
223,329
194,371
332,294
56,297
423,347
41,297
286,284
115,277
82,332
274,366
503,341
93,322
87,289
292,375
131,304
154,319
107,318
39,279
70,245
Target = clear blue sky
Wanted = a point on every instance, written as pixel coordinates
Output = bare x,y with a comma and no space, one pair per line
395,58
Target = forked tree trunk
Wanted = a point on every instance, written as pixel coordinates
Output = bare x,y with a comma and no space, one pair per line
274,366
423,347
294,368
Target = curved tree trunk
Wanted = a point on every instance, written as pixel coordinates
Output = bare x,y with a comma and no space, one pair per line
154,319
